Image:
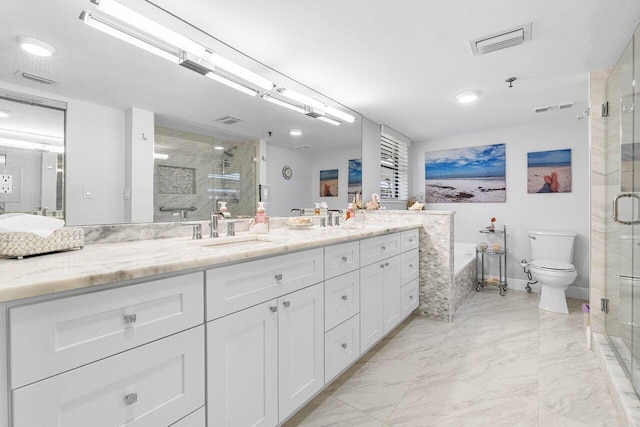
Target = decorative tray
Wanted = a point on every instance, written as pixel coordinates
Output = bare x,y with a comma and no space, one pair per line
304,226
21,244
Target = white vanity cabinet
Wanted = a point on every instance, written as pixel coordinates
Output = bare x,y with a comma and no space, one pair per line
266,360
130,356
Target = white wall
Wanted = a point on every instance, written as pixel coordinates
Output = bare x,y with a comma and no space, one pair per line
95,162
291,193
522,211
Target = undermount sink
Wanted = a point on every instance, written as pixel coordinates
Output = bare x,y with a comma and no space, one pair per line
230,241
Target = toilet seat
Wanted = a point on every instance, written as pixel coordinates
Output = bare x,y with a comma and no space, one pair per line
552,266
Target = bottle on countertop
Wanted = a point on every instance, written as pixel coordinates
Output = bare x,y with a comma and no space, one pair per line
351,214
260,223
316,211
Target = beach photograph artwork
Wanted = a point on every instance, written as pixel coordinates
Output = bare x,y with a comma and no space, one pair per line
355,178
549,171
466,175
329,183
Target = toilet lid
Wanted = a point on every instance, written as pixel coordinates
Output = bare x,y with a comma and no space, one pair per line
552,265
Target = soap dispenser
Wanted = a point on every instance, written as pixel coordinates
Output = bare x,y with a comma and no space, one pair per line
224,211
351,214
316,211
260,224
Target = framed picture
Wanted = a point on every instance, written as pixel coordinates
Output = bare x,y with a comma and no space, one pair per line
549,171
355,178
466,175
329,183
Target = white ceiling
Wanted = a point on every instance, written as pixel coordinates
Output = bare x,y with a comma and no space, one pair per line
401,63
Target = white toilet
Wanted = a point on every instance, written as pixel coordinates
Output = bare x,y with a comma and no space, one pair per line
552,254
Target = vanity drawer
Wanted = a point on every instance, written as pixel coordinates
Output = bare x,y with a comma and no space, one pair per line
340,259
238,286
410,297
378,248
341,298
152,385
341,347
409,240
51,337
409,265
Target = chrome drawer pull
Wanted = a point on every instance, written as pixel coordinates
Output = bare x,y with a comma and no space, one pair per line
344,297
384,248
344,345
410,265
344,259
279,276
286,303
410,296
130,399
386,264
130,319
273,308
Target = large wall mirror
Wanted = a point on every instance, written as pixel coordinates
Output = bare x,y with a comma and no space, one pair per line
145,139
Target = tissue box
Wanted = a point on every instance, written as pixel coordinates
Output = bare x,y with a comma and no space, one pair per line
18,245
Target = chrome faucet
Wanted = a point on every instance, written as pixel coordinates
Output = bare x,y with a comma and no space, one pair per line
213,225
297,209
334,219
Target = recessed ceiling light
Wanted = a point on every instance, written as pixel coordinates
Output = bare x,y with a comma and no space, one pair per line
218,147
35,46
466,97
4,113
295,132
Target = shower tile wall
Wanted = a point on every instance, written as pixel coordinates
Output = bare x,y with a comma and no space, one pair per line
195,152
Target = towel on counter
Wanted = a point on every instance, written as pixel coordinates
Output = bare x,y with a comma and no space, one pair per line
43,226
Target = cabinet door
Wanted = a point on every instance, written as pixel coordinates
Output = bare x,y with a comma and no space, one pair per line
301,347
152,385
371,319
242,368
391,305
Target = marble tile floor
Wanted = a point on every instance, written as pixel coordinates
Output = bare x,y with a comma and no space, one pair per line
502,362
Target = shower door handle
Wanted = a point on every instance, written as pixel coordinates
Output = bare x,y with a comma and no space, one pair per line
616,216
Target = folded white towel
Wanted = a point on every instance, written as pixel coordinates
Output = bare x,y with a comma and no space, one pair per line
43,226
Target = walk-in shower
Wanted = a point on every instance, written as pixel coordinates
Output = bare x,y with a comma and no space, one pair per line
622,294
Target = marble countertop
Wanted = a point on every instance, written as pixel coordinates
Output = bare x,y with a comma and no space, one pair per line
114,262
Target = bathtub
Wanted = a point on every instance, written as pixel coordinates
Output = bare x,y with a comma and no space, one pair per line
464,273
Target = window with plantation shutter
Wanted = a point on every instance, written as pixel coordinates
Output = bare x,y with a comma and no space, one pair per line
394,165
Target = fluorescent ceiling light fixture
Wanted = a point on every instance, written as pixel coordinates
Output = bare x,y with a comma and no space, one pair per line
31,145
108,28
231,83
295,132
312,102
167,35
276,101
160,156
4,113
149,26
466,97
35,46
328,120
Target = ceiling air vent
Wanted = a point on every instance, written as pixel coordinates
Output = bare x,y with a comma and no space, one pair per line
554,107
37,79
501,40
228,120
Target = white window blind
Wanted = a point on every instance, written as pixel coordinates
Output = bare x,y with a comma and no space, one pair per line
394,165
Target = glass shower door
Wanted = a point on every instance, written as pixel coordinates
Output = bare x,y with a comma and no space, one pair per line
623,226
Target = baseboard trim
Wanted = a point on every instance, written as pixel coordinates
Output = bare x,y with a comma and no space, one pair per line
576,292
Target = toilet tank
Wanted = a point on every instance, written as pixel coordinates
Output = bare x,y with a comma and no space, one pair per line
552,244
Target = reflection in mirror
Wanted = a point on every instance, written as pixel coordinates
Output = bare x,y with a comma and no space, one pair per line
119,95
31,155
189,166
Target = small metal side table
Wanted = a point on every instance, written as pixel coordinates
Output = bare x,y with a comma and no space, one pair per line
481,253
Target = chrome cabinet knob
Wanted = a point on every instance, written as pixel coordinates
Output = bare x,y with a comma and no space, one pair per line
273,308
279,276
286,303
410,265
410,296
130,319
384,248
344,297
344,345
344,259
130,399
